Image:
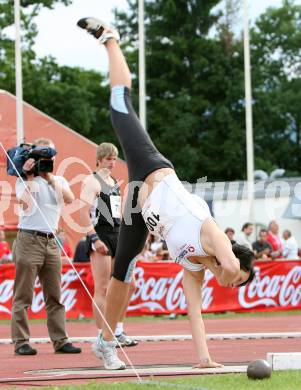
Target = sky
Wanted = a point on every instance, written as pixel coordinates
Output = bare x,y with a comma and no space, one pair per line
60,37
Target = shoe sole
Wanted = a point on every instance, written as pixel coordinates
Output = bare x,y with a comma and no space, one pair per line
115,369
102,26
127,345
67,353
83,24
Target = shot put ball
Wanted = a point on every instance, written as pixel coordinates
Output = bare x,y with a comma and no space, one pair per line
259,369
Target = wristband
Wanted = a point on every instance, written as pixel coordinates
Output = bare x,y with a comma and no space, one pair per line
94,237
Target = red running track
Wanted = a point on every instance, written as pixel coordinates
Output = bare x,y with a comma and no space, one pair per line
151,353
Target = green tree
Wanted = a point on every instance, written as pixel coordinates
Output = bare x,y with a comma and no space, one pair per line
276,43
71,95
194,86
29,9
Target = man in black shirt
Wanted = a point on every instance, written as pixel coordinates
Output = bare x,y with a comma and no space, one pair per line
262,248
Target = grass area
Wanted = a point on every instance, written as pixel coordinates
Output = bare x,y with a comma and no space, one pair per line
282,380
180,317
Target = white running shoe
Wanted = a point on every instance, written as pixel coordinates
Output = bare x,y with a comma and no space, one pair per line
98,29
96,348
126,341
106,350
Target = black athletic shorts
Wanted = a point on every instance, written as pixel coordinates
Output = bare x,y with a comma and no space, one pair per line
108,236
142,158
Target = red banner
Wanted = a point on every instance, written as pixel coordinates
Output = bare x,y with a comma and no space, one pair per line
277,286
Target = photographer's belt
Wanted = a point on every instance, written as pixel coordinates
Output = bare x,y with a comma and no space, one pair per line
37,233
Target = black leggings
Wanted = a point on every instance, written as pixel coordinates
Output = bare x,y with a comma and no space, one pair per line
142,159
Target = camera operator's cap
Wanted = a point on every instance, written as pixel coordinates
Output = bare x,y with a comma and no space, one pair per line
43,152
26,145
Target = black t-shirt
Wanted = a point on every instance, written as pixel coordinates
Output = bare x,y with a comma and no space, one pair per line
260,247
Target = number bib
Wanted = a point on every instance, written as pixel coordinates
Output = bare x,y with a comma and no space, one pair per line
153,222
115,203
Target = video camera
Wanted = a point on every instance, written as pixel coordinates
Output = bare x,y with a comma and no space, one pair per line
20,154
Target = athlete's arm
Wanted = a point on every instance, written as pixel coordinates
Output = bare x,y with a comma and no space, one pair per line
217,244
90,188
61,188
230,267
192,283
27,189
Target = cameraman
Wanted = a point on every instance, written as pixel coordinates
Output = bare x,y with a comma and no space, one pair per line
36,252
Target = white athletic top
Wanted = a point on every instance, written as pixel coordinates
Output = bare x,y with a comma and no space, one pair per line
177,216
47,201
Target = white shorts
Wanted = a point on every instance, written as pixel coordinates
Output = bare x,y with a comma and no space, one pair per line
177,216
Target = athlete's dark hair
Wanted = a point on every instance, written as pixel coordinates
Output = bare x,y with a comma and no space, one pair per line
246,258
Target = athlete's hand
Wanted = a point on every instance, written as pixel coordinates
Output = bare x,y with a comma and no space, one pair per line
208,364
101,247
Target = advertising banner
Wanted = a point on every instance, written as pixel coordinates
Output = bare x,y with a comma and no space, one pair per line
159,290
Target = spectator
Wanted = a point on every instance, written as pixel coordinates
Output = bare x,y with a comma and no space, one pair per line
274,239
230,233
146,254
5,252
243,238
66,251
101,216
290,246
36,253
164,254
155,245
80,255
158,247
262,248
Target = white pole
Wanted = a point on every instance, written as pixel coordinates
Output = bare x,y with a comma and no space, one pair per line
18,67
249,119
142,89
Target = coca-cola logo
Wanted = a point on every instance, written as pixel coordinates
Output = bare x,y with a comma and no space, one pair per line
165,293
272,287
68,294
272,290
6,293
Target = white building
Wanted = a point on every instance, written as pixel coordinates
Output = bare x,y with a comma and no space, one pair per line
278,199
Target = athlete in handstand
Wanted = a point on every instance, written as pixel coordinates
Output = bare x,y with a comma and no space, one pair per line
157,201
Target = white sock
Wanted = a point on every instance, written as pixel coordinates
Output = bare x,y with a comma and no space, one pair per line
119,329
